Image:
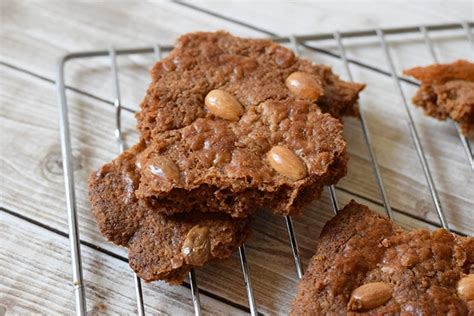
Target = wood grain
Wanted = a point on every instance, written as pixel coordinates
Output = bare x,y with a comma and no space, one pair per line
32,182
304,17
36,43
35,270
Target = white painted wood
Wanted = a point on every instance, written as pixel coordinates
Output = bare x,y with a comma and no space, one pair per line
35,272
35,34
299,17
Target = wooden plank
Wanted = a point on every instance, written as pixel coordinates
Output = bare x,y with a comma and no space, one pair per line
35,270
36,43
35,34
320,16
33,187
317,17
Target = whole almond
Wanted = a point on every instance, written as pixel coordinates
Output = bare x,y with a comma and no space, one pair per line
196,247
304,85
286,162
466,287
165,168
223,105
369,296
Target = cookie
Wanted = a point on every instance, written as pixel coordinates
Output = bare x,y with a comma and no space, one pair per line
232,125
366,264
160,248
447,91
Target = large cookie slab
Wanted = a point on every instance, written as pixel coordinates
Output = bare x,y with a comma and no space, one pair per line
365,264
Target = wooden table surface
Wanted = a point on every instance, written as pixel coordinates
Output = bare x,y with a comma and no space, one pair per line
35,272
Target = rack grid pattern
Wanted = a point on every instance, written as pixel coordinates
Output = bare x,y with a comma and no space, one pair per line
296,42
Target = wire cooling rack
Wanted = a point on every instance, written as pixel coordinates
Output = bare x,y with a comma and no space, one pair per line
296,42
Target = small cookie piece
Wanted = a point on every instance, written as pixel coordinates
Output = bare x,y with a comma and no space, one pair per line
365,264
278,155
447,91
160,248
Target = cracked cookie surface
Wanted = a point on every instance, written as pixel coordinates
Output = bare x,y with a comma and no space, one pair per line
365,264
160,248
226,166
252,70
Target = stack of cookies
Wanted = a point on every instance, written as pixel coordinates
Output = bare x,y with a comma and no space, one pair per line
228,126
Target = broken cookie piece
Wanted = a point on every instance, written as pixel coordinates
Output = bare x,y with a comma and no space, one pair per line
365,264
160,248
278,155
447,91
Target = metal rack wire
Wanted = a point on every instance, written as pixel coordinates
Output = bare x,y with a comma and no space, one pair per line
296,42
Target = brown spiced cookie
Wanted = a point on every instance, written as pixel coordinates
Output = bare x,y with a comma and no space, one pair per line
365,264
447,91
252,71
160,248
234,124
